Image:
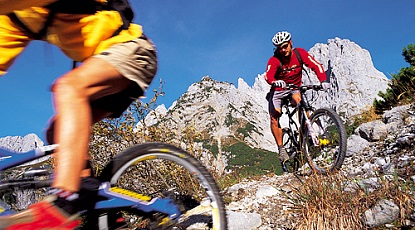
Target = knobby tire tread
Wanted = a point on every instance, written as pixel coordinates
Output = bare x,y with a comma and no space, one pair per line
181,156
342,136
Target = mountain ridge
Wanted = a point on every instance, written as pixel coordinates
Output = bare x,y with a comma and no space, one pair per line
355,84
225,115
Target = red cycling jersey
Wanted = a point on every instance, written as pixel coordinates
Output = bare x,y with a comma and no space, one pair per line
290,72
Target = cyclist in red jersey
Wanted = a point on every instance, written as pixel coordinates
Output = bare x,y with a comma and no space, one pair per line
284,67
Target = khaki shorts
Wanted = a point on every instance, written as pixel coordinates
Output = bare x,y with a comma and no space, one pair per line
135,60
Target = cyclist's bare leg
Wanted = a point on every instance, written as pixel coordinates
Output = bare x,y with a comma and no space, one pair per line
94,79
275,127
97,115
277,133
295,98
74,117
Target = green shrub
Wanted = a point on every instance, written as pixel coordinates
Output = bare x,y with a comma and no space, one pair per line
402,85
248,161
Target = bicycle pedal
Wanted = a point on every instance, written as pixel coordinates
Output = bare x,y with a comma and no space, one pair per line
130,193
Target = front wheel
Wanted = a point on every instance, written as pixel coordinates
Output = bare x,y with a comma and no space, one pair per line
162,170
328,150
290,144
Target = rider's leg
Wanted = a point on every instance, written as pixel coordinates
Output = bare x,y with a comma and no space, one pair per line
295,98
97,115
102,82
275,127
105,82
72,95
277,133
274,108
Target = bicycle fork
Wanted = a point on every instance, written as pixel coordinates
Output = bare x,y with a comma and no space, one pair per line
314,134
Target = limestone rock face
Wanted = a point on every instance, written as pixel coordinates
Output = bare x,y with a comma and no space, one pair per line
223,111
21,144
355,82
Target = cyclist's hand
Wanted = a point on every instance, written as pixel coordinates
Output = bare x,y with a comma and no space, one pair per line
325,85
279,84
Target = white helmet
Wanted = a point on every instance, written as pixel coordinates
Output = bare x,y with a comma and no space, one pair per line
281,37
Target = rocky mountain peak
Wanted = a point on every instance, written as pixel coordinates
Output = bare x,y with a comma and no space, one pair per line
224,114
21,144
222,110
354,79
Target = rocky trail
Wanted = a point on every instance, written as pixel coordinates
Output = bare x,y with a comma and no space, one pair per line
381,148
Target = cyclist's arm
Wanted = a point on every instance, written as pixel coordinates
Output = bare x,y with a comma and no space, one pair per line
314,65
272,67
7,6
12,43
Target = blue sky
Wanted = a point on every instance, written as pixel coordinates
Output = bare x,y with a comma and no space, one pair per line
226,40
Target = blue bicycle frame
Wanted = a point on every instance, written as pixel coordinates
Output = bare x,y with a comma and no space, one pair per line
113,198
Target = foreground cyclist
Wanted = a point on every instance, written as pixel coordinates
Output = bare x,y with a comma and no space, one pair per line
118,64
285,67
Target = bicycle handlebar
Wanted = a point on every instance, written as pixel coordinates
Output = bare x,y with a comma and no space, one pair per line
303,88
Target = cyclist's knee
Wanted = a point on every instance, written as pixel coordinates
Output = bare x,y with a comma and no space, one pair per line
68,86
296,98
275,120
276,113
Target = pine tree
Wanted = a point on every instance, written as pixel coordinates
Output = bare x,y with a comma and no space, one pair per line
402,86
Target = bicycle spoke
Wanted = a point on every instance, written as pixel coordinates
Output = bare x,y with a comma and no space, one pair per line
329,154
161,173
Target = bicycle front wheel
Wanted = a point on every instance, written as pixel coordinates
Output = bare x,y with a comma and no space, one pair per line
162,170
290,146
328,149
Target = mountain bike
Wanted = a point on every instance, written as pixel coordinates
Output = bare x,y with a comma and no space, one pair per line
147,186
316,141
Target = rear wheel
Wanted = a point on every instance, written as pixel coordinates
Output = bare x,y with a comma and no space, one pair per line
330,150
162,170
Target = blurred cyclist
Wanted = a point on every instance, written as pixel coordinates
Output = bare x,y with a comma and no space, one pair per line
117,65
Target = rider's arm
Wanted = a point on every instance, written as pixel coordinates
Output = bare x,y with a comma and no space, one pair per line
314,65
272,67
12,43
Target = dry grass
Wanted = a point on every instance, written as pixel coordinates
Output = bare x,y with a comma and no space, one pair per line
324,203
369,115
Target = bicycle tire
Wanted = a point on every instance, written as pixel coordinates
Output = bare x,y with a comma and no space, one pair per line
288,142
152,169
329,155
